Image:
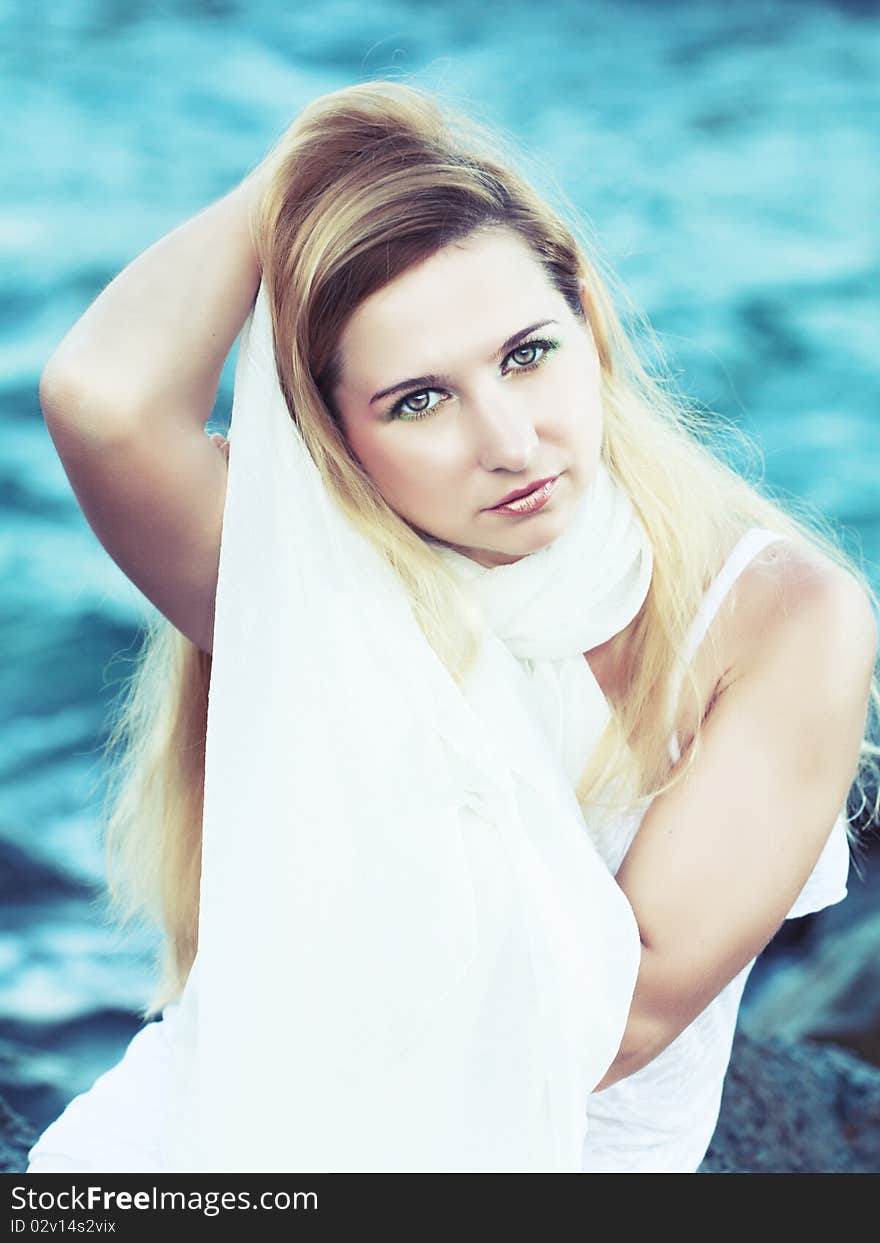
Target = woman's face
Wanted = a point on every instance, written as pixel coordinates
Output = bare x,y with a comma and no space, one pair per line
466,378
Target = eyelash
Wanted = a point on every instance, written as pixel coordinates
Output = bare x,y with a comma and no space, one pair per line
396,410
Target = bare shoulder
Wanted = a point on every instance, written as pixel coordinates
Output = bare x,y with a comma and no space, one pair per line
789,603
794,600
777,762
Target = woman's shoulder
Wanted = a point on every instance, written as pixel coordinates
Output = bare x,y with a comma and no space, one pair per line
790,586
762,591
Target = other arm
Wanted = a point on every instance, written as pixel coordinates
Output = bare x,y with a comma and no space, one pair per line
719,860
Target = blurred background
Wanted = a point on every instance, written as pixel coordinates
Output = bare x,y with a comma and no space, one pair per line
725,158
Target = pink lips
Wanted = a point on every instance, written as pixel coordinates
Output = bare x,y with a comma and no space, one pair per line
520,492
528,504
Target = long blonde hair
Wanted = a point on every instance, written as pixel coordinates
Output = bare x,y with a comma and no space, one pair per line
368,181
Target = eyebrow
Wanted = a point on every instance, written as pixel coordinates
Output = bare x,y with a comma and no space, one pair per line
426,381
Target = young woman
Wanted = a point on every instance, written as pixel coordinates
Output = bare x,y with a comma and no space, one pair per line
698,661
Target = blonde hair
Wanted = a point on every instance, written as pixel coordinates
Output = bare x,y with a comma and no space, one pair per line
366,182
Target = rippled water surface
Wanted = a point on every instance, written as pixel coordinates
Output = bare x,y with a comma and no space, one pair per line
726,156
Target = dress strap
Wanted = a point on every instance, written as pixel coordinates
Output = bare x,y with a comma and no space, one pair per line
745,550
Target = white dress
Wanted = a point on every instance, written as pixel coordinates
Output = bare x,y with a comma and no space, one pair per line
659,1119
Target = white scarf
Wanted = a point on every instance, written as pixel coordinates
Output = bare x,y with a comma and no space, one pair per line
553,606
411,957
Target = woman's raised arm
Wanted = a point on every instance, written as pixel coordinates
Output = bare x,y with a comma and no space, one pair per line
155,340
127,394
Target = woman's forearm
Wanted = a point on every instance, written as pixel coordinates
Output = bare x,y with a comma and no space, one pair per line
153,343
655,1018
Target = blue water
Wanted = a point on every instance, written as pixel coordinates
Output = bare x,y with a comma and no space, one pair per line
727,157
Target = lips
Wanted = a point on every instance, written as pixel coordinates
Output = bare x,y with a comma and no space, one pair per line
514,496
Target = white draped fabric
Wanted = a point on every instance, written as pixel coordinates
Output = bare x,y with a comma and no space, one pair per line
411,957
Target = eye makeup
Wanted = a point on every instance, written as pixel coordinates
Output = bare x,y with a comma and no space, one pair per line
399,412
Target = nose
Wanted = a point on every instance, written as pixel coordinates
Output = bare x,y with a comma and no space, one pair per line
505,432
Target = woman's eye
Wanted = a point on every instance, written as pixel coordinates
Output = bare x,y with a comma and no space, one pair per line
415,405
410,407
535,351
525,349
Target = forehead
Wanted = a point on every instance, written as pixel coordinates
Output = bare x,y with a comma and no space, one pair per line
468,296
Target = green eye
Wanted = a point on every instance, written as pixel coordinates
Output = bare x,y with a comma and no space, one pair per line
399,409
532,345
419,413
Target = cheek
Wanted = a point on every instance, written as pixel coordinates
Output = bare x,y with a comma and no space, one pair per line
580,417
401,474
576,394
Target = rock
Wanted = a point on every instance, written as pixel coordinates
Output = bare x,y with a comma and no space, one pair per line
832,996
16,1139
796,1108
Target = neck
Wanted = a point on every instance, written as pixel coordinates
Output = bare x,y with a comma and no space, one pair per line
610,663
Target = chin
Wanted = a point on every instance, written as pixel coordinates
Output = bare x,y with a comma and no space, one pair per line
514,550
